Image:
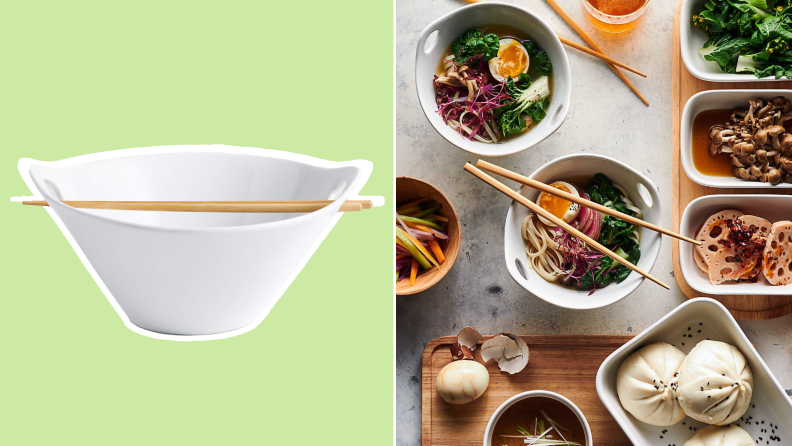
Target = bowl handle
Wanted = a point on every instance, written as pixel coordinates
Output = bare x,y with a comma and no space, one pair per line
428,32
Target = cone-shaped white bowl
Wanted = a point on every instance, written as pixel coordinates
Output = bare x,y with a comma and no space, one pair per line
186,273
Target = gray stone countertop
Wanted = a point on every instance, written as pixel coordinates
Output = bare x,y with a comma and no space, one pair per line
605,118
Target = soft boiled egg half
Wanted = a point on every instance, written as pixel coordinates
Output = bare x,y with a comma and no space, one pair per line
511,61
559,207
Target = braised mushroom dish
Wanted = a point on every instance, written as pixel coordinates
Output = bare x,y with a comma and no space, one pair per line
759,144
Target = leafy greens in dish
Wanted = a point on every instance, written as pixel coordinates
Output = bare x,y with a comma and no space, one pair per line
748,36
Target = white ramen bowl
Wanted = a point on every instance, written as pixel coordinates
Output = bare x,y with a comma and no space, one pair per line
449,28
692,39
193,273
711,100
642,192
769,402
533,394
771,207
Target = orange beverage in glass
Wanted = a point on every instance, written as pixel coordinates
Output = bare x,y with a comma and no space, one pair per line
615,16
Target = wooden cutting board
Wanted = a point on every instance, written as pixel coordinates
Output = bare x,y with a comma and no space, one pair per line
685,190
566,365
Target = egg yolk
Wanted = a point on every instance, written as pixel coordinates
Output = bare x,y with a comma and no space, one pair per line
555,205
511,60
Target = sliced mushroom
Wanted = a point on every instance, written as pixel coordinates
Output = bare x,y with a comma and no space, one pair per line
742,173
761,155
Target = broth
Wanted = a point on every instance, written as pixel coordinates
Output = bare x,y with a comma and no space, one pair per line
505,32
716,166
524,412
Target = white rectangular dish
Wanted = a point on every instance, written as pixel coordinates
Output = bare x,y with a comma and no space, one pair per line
691,40
719,99
699,319
771,207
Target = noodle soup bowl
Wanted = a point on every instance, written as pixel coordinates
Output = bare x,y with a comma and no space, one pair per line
438,36
641,191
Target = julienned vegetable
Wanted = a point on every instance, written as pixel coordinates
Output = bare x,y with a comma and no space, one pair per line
419,234
747,36
490,87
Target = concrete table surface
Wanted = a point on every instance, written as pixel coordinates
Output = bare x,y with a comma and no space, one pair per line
606,118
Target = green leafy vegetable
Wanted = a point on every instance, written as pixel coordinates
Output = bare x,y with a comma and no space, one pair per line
539,59
616,234
528,99
473,43
747,36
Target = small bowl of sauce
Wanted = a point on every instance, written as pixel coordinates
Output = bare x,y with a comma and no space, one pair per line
537,413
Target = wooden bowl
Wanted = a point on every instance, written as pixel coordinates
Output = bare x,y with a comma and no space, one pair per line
411,189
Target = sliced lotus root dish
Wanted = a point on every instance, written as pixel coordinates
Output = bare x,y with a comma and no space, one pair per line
778,254
732,246
712,231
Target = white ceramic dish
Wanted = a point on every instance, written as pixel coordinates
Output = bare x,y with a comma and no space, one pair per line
182,273
719,99
691,40
769,401
641,191
448,28
771,207
532,394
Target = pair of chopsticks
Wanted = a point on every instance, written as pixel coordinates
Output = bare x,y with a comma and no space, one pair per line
596,51
567,196
214,206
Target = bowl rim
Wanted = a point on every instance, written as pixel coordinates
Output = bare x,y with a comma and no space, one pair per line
463,145
730,324
364,167
685,32
533,394
686,131
629,288
449,261
726,289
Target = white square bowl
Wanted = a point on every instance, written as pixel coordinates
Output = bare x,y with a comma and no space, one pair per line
771,207
691,39
719,99
706,319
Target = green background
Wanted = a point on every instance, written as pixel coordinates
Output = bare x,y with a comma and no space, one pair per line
306,76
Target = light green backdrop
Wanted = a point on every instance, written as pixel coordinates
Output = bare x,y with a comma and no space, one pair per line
306,76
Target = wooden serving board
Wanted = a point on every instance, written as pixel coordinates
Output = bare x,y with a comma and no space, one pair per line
685,85
566,365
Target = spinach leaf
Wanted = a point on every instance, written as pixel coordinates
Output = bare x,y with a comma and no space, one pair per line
539,58
473,43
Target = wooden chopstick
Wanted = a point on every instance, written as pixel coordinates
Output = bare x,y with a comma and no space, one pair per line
587,50
489,167
214,206
561,223
594,46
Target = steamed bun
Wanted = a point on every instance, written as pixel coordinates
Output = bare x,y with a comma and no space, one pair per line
646,382
715,383
721,436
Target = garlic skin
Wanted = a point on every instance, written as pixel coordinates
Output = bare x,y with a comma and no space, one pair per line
461,382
